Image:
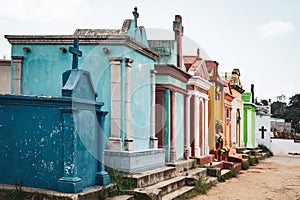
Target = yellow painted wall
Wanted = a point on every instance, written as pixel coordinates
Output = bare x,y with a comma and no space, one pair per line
215,112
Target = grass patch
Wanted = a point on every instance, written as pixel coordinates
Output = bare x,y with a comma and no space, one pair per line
253,161
266,150
121,181
201,187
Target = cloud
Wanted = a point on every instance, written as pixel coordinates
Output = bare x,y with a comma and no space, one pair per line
275,28
43,11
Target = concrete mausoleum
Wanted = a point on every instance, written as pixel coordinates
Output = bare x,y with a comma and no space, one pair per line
121,67
54,142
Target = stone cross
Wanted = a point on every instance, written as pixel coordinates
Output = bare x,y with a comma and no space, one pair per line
262,129
76,53
177,25
135,15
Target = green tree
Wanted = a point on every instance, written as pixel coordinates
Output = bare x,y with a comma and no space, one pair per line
290,113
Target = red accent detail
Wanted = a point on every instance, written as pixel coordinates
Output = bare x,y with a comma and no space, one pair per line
159,116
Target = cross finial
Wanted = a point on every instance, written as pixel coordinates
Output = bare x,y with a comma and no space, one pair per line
177,25
76,53
135,15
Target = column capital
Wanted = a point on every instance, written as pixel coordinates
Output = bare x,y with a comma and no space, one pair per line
128,62
17,58
115,60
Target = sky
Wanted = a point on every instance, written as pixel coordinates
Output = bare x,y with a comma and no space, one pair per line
260,37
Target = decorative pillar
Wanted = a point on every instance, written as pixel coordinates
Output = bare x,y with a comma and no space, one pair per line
249,128
70,182
115,141
128,140
241,127
172,138
197,128
153,138
187,127
206,147
202,128
159,116
102,177
17,77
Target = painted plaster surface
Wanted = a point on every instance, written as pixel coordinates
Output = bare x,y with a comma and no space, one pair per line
179,125
4,76
134,162
44,62
32,141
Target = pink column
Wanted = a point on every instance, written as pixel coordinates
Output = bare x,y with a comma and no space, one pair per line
186,127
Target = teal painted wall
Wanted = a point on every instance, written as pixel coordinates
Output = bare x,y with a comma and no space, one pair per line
43,66
32,141
167,50
163,79
167,124
179,125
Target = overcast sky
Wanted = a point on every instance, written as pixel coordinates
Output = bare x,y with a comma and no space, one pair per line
260,37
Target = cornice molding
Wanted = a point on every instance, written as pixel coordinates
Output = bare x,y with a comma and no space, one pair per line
173,71
200,82
84,40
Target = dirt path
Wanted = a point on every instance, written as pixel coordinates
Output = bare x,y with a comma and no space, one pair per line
274,178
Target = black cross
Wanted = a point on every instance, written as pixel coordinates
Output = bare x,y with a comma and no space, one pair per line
262,129
76,53
135,15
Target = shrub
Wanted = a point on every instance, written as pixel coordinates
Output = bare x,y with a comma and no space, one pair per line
253,161
245,165
265,149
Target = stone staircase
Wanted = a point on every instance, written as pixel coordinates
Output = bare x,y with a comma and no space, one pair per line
170,181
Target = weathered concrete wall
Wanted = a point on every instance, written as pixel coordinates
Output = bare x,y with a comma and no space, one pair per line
34,140
284,146
4,76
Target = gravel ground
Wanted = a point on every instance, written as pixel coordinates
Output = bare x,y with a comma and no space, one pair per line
273,178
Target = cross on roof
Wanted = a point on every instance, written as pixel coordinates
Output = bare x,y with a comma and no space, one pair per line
135,15
177,25
262,129
76,53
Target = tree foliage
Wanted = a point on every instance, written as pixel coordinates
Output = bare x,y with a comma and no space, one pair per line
290,113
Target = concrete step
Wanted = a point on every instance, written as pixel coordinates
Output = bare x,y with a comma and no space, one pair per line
162,188
212,180
197,173
204,160
177,193
224,172
183,165
152,177
121,197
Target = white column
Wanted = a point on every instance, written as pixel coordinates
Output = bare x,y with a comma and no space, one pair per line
197,148
249,128
241,125
153,139
114,141
189,124
17,79
233,123
128,146
206,147
203,128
